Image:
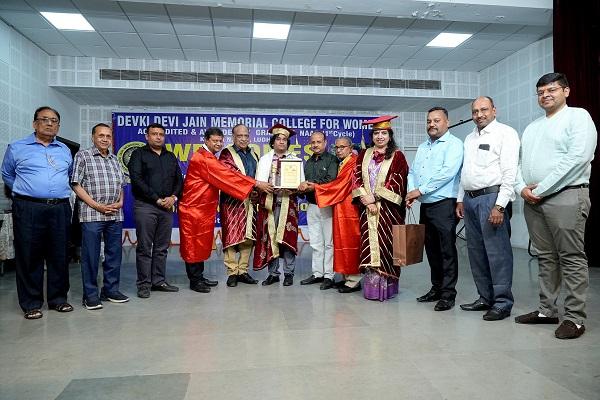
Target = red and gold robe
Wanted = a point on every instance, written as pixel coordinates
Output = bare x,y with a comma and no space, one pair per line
346,225
198,207
238,218
376,230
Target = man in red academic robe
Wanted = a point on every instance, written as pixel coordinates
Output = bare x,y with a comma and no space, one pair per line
198,207
346,225
277,220
238,218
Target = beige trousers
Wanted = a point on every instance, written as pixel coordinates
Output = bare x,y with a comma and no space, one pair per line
235,265
556,227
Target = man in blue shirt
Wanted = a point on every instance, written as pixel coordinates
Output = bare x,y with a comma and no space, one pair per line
433,180
36,170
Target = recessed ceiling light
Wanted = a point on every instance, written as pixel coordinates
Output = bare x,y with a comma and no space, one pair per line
445,39
264,30
68,21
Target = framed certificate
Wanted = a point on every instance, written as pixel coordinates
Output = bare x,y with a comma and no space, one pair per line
290,174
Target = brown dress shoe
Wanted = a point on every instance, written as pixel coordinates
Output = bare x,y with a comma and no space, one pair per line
568,330
534,318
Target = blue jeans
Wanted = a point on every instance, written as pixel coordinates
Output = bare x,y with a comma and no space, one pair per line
490,252
91,236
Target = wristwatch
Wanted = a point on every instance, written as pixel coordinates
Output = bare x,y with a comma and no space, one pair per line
499,208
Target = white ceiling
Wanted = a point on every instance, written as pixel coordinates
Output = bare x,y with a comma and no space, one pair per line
322,33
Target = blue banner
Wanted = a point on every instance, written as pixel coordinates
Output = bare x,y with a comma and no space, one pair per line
185,134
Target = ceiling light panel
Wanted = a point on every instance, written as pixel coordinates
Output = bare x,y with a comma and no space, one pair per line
263,30
446,39
68,21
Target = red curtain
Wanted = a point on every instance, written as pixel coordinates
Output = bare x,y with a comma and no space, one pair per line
577,54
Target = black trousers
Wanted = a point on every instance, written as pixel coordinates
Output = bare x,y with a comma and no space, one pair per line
440,245
194,272
41,235
153,230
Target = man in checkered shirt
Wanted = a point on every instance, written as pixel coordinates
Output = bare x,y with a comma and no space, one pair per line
98,181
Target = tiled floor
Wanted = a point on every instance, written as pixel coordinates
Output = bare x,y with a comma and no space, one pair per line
295,342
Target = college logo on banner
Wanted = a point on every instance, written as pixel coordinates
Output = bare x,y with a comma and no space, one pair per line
185,134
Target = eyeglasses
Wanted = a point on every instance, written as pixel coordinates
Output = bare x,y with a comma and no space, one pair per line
340,147
551,90
49,121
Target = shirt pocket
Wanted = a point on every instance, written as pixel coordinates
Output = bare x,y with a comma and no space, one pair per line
485,157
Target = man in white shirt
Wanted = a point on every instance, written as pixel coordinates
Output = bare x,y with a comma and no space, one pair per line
490,165
553,179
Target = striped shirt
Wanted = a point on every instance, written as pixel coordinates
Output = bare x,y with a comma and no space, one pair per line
102,178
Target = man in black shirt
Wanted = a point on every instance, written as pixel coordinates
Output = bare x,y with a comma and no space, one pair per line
156,183
321,167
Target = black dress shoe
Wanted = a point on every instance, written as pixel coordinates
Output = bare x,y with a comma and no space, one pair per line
432,295
246,278
327,284
200,287
288,280
444,305
477,305
339,284
271,279
208,282
232,280
143,293
348,289
164,287
311,280
495,314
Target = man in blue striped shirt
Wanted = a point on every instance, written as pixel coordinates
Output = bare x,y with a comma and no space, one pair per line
36,170
433,180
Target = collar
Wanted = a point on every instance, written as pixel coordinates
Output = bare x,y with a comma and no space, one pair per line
488,129
558,112
442,138
239,149
31,140
284,155
147,147
96,152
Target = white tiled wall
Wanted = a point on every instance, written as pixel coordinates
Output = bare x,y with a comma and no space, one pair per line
511,83
23,88
83,71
